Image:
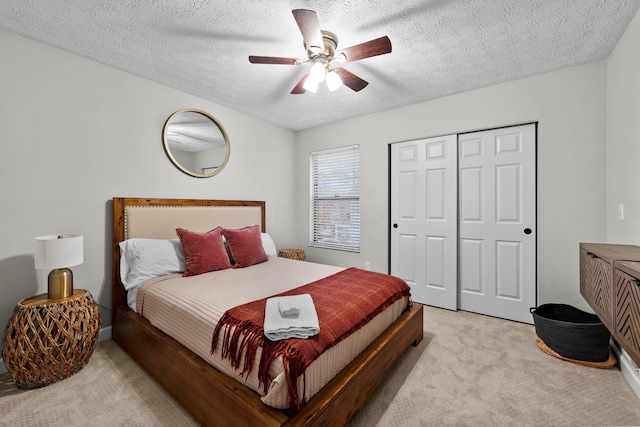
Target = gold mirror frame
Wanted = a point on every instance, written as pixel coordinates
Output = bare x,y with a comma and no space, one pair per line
202,136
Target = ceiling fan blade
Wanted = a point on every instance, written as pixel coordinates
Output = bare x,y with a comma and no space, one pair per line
375,47
272,60
309,25
299,87
351,80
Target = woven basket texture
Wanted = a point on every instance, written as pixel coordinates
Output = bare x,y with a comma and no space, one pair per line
297,254
48,342
609,363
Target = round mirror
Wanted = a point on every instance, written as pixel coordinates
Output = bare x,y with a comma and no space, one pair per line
196,143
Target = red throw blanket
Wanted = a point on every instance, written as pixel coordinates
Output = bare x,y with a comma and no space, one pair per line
344,302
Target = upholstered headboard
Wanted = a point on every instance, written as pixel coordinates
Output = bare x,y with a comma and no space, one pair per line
159,218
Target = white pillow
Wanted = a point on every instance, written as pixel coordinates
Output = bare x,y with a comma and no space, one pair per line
143,259
268,245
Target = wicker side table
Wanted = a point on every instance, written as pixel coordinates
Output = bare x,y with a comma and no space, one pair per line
291,253
48,340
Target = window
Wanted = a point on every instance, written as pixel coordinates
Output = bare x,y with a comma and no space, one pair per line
335,198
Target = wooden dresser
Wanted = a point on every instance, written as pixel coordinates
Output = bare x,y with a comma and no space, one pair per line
610,283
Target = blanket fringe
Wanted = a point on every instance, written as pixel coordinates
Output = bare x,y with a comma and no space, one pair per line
243,338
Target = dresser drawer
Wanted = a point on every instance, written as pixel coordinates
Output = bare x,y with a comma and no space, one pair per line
627,308
595,286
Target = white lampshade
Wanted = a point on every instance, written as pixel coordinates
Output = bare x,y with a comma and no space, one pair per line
333,81
310,84
58,251
317,72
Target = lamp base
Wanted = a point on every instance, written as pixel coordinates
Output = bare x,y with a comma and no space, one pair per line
60,283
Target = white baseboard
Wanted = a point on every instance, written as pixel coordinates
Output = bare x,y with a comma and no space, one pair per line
105,334
630,371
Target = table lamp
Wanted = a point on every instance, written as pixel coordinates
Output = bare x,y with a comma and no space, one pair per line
57,252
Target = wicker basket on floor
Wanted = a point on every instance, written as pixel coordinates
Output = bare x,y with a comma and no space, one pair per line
291,253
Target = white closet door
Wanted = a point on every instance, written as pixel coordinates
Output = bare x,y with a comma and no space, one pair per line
497,213
424,218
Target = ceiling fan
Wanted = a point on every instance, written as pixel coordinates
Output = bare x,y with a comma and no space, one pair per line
321,52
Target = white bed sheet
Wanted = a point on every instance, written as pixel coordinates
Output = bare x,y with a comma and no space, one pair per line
188,308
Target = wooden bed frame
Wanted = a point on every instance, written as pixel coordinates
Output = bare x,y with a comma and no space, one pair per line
214,398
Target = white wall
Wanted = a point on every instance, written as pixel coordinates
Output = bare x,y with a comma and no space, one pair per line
623,137
569,106
75,133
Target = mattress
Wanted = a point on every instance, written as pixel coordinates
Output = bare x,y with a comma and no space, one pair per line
188,308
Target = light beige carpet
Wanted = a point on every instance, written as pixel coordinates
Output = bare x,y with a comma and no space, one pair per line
469,370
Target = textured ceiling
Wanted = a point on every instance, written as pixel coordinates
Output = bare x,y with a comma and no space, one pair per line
440,47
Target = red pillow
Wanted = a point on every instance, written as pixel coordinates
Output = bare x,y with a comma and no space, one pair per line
245,245
203,252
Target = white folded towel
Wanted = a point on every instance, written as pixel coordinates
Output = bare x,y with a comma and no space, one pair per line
304,325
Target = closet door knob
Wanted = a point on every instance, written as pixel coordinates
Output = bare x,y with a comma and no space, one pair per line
395,225
527,231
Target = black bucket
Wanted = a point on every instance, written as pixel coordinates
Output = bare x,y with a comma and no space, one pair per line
572,333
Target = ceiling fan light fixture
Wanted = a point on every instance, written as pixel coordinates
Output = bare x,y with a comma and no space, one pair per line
321,47
333,80
317,72
310,84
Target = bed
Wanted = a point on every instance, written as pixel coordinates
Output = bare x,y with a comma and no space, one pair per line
210,395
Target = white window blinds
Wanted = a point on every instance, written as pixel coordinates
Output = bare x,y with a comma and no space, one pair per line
335,198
